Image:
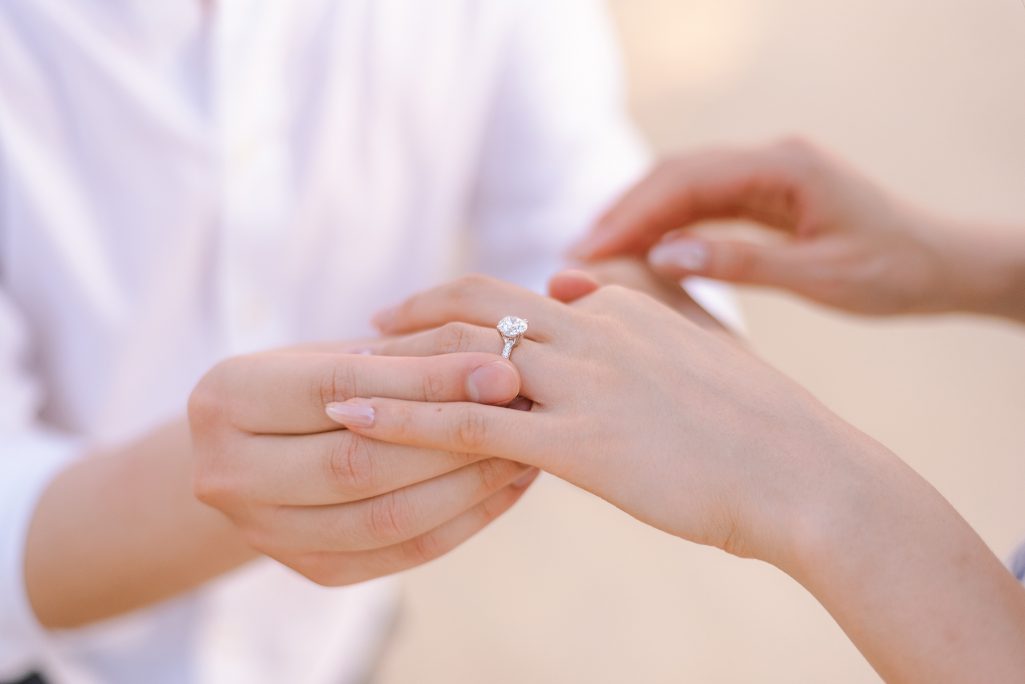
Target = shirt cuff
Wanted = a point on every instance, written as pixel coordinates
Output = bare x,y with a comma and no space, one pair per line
28,463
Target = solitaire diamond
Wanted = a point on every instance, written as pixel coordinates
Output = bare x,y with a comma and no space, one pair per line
511,326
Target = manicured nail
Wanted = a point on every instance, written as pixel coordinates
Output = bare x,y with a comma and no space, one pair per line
686,254
384,318
524,480
493,383
352,413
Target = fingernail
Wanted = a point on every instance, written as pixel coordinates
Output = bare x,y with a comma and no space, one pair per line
352,413
687,254
383,318
365,351
493,383
524,480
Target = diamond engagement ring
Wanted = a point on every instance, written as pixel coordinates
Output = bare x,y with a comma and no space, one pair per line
511,329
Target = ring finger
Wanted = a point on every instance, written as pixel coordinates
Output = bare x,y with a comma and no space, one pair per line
536,361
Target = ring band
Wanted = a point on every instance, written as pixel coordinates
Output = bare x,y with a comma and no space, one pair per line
511,328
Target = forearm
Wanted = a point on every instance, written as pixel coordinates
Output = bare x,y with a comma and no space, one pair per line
909,581
121,530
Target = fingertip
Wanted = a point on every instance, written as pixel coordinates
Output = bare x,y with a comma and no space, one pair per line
496,382
526,479
572,284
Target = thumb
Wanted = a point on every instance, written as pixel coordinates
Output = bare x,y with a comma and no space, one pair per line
734,261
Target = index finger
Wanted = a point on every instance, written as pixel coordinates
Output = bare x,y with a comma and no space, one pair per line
715,184
286,393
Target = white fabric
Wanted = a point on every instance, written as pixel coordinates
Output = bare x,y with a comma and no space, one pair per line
182,181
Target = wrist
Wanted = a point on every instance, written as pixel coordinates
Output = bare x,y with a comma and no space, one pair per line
852,489
982,270
912,585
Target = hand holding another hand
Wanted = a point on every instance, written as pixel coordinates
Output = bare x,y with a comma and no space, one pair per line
687,431
677,425
331,504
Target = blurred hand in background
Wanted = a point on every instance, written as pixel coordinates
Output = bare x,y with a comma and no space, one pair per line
832,235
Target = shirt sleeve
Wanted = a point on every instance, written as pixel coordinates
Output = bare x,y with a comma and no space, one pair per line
30,455
559,146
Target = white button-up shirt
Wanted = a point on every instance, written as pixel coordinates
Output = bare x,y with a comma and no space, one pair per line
183,181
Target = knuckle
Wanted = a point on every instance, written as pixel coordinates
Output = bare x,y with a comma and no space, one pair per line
474,281
488,510
209,487
615,295
424,548
350,465
206,405
212,480
454,337
470,286
434,386
491,475
257,538
471,431
338,384
389,517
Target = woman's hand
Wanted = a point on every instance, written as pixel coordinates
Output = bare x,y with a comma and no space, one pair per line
688,432
333,505
635,274
841,240
672,423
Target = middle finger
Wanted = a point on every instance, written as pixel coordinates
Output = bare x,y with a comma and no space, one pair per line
333,467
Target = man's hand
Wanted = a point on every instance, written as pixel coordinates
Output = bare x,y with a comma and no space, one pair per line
337,507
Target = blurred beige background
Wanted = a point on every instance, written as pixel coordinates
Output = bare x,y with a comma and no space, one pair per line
929,97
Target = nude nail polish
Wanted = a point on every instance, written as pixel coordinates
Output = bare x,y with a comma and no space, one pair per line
686,254
351,414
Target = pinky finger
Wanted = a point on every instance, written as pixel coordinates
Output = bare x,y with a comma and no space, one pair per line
338,569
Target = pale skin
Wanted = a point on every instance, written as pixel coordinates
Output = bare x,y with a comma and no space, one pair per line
257,469
266,472
837,237
914,587
687,431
